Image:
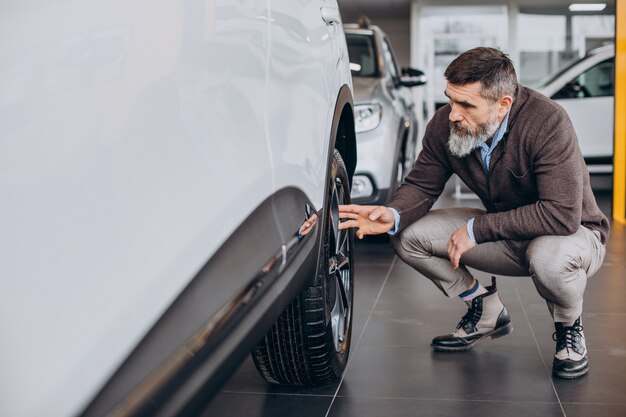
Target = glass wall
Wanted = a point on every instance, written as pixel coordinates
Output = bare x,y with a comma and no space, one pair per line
543,39
445,32
548,42
541,42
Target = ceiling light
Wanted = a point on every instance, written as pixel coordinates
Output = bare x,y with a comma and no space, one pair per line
587,7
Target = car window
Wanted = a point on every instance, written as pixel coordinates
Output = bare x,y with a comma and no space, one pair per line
550,78
362,55
597,81
390,61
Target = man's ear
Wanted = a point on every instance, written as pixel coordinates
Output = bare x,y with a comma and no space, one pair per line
504,104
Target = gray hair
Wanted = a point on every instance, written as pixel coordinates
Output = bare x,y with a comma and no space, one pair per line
490,66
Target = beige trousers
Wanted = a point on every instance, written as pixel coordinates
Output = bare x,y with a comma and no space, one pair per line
558,265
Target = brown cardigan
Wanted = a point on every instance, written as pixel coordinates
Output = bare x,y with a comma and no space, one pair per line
538,182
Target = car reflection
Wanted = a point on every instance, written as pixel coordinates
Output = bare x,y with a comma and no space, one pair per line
307,226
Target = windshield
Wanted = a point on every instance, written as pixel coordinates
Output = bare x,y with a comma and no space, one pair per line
548,79
362,55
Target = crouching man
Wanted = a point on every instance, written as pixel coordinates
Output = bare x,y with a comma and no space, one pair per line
517,150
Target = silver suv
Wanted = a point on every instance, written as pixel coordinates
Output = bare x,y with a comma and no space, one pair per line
385,119
170,175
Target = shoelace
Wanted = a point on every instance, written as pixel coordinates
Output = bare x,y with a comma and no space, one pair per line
471,317
568,337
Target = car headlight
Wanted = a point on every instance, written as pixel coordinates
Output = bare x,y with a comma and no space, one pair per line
367,117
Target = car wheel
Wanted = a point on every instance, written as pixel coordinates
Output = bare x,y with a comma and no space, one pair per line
310,342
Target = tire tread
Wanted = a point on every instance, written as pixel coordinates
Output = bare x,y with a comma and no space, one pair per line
299,349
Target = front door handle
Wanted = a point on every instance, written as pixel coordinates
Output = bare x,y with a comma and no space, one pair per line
331,15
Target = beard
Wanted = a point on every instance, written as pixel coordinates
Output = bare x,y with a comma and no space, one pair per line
463,140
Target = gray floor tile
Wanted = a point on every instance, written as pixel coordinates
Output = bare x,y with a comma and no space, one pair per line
418,372
272,405
413,327
594,410
373,251
402,407
604,383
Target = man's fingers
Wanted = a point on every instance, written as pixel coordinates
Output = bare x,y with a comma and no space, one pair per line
454,258
355,208
377,213
452,254
348,215
455,262
348,224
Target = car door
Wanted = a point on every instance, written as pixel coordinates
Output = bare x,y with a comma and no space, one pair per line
588,99
132,145
301,97
404,103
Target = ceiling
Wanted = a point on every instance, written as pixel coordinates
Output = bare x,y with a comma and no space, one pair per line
398,8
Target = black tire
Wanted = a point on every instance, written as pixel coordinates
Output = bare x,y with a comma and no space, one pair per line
310,342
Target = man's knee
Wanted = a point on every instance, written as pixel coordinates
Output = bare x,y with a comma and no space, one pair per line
549,259
407,244
431,233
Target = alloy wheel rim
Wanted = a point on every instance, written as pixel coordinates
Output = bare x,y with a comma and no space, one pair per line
340,269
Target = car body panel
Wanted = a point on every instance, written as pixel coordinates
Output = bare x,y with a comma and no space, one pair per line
164,377
593,122
305,51
123,169
117,137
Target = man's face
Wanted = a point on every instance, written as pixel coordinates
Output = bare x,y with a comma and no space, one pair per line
469,109
473,118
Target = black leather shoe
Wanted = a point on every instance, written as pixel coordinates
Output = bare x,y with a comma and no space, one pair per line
571,360
486,317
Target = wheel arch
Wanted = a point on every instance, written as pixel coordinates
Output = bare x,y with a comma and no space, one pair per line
343,139
342,134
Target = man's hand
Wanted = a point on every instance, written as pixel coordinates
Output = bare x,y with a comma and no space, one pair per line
458,244
370,220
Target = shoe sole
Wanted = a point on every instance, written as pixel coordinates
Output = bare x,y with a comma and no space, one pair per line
569,375
494,334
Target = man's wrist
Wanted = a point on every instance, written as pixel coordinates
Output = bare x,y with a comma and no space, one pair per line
470,230
396,222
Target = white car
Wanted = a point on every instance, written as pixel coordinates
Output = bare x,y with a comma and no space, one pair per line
169,180
386,122
585,89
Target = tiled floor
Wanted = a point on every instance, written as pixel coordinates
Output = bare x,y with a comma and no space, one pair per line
394,372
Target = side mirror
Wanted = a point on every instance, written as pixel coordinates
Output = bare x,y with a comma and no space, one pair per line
412,77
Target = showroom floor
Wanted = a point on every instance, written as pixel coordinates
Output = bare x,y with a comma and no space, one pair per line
394,372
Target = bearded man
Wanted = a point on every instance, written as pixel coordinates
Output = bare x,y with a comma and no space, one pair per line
517,150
